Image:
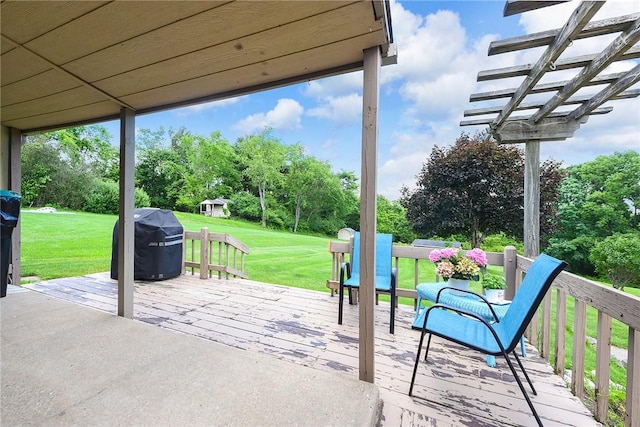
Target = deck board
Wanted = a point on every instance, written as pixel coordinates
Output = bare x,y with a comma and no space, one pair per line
300,326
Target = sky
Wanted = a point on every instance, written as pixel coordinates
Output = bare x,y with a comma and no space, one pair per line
441,45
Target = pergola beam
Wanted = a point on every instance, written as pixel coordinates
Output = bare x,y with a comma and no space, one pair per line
576,22
542,88
610,92
583,99
623,42
555,115
514,7
563,64
596,28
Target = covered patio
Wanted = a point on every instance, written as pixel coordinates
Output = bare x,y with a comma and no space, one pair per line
272,324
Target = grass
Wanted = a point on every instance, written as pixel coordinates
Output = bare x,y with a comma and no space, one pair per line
78,243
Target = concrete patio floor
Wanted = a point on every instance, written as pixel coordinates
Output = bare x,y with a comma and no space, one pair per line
64,364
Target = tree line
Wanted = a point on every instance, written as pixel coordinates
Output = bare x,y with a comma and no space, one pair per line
471,191
265,180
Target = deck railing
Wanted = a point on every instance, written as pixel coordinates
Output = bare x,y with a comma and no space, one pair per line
213,252
609,304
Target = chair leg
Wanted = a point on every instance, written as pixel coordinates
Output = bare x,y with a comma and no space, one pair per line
522,347
392,321
340,303
525,373
415,366
426,352
524,392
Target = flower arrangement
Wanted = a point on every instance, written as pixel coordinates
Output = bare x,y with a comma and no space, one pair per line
451,264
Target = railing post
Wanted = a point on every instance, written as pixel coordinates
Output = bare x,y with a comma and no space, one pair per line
632,413
603,356
579,338
204,253
184,253
510,259
561,322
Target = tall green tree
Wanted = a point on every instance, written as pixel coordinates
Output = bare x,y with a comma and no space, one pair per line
263,157
597,199
351,200
60,167
314,193
159,172
181,169
392,219
475,188
89,147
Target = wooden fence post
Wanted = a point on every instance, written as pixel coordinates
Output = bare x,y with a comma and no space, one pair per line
510,255
204,253
183,271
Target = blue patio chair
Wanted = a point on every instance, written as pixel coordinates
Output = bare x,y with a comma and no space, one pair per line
497,338
385,273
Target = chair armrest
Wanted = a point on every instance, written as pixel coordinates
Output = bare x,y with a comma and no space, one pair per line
466,313
345,266
493,313
394,277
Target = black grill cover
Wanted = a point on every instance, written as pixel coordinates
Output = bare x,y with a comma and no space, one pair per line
158,245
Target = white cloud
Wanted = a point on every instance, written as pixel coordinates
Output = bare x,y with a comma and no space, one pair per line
342,84
285,116
193,109
344,110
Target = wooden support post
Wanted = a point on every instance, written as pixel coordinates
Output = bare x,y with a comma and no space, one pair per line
204,253
632,415
370,102
126,230
532,199
16,139
510,262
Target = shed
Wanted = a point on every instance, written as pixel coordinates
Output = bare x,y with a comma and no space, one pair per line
216,208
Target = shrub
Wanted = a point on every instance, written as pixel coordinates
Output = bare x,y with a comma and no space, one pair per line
575,252
617,257
246,205
104,198
497,243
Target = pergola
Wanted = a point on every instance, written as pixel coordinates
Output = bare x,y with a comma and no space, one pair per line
67,63
550,111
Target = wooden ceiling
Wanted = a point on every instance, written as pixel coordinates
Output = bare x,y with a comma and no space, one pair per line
557,112
74,62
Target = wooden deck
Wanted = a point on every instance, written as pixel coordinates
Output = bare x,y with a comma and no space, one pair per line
455,388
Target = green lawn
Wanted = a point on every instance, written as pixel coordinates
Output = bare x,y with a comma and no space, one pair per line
78,243
73,244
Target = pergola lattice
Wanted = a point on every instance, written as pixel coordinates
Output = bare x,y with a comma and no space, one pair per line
559,113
